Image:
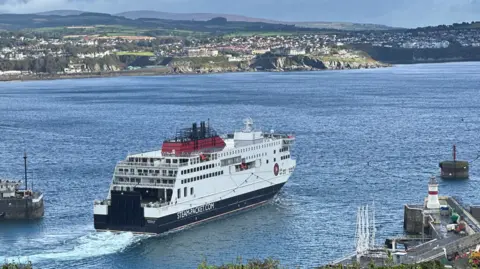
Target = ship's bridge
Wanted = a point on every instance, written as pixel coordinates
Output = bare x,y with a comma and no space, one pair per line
248,135
8,188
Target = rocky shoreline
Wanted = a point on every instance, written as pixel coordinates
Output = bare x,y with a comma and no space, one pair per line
271,64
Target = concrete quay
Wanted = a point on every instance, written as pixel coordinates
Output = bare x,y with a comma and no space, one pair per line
438,229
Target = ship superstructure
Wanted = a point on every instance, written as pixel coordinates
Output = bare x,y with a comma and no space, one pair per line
17,203
196,176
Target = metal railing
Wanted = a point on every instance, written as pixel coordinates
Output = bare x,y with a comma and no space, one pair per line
142,175
469,219
155,205
150,184
102,202
348,257
459,245
150,164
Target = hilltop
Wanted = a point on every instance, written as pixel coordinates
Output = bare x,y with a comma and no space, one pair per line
190,16
61,12
142,14
455,26
347,26
92,22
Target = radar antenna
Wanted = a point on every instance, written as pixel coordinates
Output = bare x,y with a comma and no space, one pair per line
248,124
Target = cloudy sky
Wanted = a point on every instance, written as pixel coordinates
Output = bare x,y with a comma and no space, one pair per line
405,13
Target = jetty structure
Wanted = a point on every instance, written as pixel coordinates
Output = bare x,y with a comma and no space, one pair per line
366,248
17,203
454,169
441,228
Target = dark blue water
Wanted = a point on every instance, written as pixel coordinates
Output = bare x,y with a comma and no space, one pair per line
362,136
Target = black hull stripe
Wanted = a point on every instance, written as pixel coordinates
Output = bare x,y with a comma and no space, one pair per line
124,213
197,222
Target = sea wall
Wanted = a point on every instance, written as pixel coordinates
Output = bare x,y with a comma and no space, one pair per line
412,219
20,209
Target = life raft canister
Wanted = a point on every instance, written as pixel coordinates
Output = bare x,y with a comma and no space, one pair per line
276,169
243,165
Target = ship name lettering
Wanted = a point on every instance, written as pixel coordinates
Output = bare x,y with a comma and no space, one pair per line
195,210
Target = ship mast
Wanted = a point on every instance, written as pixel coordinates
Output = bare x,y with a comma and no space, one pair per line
25,164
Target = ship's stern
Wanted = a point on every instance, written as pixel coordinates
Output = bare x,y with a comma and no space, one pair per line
122,212
100,214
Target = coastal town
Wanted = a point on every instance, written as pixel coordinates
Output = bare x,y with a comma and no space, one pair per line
32,54
154,139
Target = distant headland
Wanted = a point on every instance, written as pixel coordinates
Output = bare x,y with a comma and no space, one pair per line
71,44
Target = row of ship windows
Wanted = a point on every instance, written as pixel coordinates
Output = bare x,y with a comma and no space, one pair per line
200,168
145,172
285,157
211,157
209,166
256,156
192,179
179,192
249,149
138,180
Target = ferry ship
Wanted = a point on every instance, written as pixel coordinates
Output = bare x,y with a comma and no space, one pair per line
197,175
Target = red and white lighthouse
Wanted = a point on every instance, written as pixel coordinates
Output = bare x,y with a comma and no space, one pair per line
432,200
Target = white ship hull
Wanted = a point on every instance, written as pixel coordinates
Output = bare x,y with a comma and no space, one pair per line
243,175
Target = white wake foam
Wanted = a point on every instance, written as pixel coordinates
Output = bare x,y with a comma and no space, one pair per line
91,245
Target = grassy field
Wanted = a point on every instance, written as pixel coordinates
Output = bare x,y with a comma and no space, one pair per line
126,33
133,53
236,34
186,33
47,29
119,30
108,30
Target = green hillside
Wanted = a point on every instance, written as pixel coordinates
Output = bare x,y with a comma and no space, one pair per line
15,22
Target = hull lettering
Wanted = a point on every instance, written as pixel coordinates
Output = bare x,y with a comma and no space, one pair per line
195,210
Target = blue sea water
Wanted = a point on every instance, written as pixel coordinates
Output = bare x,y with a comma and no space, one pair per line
363,136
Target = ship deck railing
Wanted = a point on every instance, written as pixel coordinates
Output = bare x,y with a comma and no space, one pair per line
141,175
155,205
286,137
274,135
107,202
37,197
150,164
102,202
193,154
144,184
